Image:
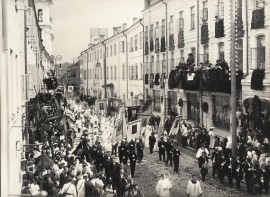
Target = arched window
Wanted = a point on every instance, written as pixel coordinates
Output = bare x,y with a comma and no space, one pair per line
221,51
40,15
261,52
240,53
206,53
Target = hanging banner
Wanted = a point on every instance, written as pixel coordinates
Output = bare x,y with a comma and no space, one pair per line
133,113
175,126
134,129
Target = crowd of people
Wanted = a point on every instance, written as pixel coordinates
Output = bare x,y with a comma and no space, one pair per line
57,168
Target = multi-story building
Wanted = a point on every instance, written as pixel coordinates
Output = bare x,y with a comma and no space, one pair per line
115,64
24,60
227,30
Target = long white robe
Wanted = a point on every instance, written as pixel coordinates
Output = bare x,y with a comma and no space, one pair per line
81,188
147,133
194,190
163,187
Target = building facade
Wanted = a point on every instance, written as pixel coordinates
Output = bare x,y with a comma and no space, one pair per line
115,64
189,48
24,60
174,29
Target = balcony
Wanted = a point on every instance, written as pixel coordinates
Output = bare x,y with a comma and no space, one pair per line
212,80
257,19
219,28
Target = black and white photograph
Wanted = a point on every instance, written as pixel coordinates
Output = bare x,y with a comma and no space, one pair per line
135,98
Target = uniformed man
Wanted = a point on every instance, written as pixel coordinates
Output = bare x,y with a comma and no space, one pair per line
161,149
133,159
239,171
176,155
120,151
140,147
169,149
216,162
152,141
248,169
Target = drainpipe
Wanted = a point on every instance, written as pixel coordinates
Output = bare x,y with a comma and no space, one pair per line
126,60
166,34
247,41
198,60
167,54
143,59
105,70
87,73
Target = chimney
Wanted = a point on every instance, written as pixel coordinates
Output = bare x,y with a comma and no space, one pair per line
124,26
119,29
114,30
134,20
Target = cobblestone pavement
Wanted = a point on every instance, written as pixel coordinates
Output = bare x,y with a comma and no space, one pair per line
147,175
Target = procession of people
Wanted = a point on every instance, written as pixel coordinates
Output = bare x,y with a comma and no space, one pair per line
83,156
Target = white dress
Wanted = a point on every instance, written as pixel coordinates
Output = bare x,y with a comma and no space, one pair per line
194,190
163,187
156,144
147,133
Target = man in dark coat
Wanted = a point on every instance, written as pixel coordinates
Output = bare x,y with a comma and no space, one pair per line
161,149
89,187
239,172
121,152
133,159
169,149
263,175
216,162
176,155
140,147
152,141
248,169
115,173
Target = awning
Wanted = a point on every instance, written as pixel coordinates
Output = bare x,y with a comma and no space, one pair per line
109,85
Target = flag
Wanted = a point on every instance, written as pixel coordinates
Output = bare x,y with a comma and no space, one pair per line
134,129
119,129
161,127
175,126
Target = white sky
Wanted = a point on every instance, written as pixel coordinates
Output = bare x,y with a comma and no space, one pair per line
72,20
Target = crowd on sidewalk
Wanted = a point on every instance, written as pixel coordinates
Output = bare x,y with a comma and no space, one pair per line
55,167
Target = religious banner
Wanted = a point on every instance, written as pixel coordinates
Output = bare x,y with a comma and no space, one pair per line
134,129
175,126
133,113
119,129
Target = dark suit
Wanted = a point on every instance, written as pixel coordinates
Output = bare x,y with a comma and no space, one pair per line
115,174
161,150
152,141
176,155
133,159
203,161
264,178
169,150
88,188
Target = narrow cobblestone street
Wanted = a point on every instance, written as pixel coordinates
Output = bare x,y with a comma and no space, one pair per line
147,176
